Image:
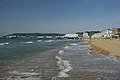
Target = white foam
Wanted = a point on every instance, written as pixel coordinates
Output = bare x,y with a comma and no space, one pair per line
64,66
73,44
4,43
89,50
67,47
27,75
14,72
23,73
58,58
39,40
49,40
61,52
111,57
29,42
62,74
18,78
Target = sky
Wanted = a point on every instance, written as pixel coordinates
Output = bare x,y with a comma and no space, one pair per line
58,16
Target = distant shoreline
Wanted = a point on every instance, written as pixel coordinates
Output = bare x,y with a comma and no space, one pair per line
105,46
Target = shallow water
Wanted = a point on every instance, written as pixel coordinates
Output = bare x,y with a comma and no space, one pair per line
48,59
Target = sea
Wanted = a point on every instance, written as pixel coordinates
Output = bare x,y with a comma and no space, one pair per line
49,59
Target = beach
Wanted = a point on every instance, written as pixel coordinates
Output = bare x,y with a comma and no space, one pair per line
105,46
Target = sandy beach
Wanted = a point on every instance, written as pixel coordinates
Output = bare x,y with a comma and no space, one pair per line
105,46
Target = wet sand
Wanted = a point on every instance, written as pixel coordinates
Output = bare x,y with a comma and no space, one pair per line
105,46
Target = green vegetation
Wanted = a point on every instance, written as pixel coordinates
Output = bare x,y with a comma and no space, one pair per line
80,34
90,33
31,35
37,34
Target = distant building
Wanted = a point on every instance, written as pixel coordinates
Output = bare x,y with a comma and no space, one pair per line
97,36
71,36
85,35
107,33
116,33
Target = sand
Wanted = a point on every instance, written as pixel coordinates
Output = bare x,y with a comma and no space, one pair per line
105,46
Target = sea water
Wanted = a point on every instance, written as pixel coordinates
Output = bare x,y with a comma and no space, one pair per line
35,59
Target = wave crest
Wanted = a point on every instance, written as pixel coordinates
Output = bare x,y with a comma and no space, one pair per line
4,43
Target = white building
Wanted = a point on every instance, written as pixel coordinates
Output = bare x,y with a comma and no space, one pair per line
85,35
107,33
97,36
104,34
71,36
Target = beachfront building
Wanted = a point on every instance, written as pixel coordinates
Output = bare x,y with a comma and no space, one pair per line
85,35
107,33
97,36
71,36
116,33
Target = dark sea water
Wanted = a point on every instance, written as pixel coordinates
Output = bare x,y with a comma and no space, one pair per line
33,59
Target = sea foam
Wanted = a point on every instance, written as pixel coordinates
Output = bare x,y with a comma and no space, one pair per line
58,58
64,66
61,52
49,40
39,40
62,74
27,75
67,47
73,44
23,73
4,43
29,42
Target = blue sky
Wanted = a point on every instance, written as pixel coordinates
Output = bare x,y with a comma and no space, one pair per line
62,16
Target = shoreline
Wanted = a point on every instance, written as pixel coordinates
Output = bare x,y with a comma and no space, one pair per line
104,46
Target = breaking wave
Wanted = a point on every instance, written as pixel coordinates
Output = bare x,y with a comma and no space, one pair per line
39,40
64,66
58,58
73,44
4,43
67,47
26,75
29,42
61,52
111,57
49,40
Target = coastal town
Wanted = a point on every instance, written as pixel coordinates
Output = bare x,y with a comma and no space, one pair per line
112,33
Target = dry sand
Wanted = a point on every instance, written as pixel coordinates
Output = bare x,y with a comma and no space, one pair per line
105,46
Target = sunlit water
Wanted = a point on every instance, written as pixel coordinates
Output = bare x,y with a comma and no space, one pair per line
31,59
